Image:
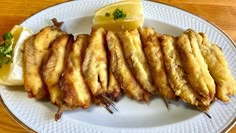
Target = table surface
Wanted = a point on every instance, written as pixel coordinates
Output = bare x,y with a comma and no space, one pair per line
222,13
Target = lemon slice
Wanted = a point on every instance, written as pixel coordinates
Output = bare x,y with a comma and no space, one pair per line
12,74
120,16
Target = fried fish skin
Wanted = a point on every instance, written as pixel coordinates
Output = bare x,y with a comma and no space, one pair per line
94,66
192,68
121,71
32,61
27,64
113,90
175,72
137,62
53,68
219,69
154,56
195,40
76,92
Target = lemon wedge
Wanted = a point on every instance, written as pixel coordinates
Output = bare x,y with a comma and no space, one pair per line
12,74
120,16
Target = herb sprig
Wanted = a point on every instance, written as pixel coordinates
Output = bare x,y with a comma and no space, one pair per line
6,49
117,14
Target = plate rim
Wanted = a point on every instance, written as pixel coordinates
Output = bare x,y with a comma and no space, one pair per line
226,129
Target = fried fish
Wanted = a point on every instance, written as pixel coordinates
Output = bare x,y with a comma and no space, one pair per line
137,62
195,40
53,68
154,55
191,64
35,50
175,72
95,67
76,92
121,71
219,69
177,77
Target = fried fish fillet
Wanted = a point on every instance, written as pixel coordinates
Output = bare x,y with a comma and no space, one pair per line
154,56
133,52
95,67
175,72
192,69
195,40
219,69
53,68
76,92
35,50
121,71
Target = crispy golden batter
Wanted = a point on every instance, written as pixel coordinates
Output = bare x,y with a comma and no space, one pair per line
95,63
28,63
175,72
53,68
121,71
141,63
113,90
219,69
34,53
154,56
195,40
192,68
76,92
133,52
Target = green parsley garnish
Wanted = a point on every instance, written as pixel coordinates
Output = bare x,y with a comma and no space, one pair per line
6,48
118,14
107,14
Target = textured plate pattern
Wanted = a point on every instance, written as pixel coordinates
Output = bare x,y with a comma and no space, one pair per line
38,115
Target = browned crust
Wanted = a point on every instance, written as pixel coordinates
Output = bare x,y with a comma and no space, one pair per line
42,41
29,51
192,68
153,52
136,59
219,69
196,40
121,71
72,80
52,69
94,66
114,90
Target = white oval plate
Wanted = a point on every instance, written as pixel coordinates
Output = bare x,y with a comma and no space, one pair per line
131,116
